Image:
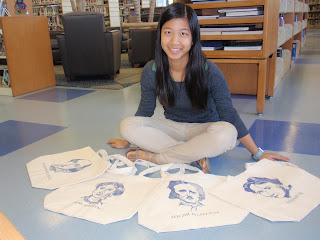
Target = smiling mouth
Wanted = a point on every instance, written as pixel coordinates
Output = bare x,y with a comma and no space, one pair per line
175,49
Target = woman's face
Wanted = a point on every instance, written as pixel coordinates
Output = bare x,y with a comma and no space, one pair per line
74,164
104,190
176,39
268,190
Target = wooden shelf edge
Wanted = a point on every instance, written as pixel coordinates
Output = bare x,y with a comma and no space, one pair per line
285,41
294,34
228,60
233,54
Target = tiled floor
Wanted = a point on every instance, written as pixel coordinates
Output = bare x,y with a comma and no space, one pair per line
61,119
56,95
17,134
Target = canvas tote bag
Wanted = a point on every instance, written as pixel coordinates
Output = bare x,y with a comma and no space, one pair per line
62,169
272,190
182,202
106,199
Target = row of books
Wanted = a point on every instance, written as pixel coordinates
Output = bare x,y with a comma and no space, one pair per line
100,9
55,21
46,10
95,2
39,2
5,81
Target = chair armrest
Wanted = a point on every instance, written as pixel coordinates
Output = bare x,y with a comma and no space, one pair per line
113,50
63,53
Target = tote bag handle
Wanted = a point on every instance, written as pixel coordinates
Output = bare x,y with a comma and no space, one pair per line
164,169
117,168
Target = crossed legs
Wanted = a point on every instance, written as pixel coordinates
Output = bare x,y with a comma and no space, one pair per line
178,142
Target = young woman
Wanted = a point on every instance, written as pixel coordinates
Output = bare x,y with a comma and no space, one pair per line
201,121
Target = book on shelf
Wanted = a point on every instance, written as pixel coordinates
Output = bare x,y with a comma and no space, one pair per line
211,33
212,45
242,48
226,29
294,51
208,17
208,48
242,32
244,13
225,10
247,16
5,78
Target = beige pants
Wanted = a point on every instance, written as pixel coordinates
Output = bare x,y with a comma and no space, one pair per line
179,142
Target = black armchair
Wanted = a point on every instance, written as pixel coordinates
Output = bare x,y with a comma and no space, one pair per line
141,46
86,49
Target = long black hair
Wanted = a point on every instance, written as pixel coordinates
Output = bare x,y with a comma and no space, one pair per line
195,82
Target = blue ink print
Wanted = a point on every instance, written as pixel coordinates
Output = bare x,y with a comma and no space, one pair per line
267,187
189,194
103,191
74,165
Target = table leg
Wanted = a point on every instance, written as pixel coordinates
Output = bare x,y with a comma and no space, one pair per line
262,76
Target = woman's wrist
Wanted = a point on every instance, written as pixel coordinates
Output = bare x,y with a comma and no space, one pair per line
258,154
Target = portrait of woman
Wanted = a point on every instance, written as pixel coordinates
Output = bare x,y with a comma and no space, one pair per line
73,165
103,191
267,187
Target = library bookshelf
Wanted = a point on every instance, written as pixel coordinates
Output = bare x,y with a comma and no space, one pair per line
294,31
109,8
247,72
314,14
52,9
100,6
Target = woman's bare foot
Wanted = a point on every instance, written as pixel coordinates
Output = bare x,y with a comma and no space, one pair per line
136,153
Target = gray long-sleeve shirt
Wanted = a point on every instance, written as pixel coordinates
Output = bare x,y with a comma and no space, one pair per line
219,104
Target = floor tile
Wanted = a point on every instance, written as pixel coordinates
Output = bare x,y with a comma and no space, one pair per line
57,95
16,134
310,53
293,137
307,61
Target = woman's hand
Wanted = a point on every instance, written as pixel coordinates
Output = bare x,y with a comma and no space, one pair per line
274,157
118,143
249,144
